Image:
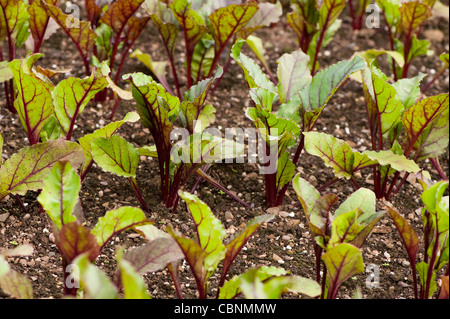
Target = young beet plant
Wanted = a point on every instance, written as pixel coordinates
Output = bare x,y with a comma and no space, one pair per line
59,198
300,99
208,29
315,24
108,35
14,26
159,110
404,21
204,254
338,237
403,132
435,241
50,112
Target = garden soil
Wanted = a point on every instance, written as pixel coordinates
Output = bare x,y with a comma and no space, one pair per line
285,241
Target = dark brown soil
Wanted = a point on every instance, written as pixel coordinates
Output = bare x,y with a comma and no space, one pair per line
286,241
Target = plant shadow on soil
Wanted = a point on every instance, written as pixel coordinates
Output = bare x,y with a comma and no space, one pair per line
284,242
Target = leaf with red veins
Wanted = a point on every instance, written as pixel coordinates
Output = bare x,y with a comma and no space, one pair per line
80,32
39,21
335,153
421,119
192,23
93,11
71,96
117,221
134,28
13,16
119,13
342,261
155,255
413,14
407,233
229,20
26,170
74,240
34,103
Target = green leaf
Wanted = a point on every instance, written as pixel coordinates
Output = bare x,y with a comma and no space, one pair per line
34,102
371,54
267,14
202,58
190,20
330,11
71,96
253,74
106,132
420,122
94,282
396,161
285,170
154,255
326,82
5,72
15,284
80,32
157,68
148,151
304,286
422,270
413,14
210,230
52,130
254,276
408,90
444,57
155,106
362,199
434,140
256,44
1,149
134,286
27,169
342,261
39,22
13,18
193,108
293,74
391,10
316,207
352,226
335,153
254,287
384,106
274,128
225,22
60,193
115,155
418,48
117,221
407,233
194,254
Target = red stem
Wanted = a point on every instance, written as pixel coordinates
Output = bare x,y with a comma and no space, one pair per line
138,194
